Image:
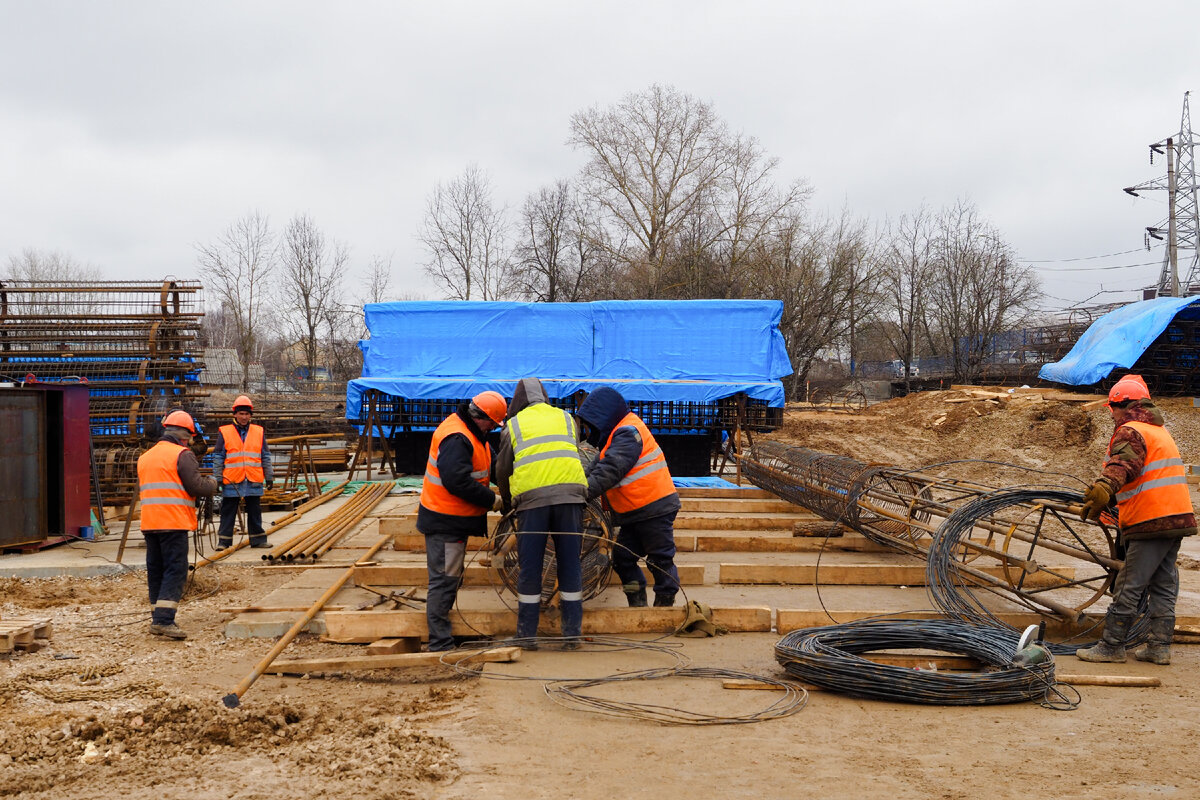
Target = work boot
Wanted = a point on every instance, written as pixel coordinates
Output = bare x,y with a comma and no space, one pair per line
1158,649
260,544
224,544
572,623
664,599
527,625
635,593
167,629
1111,647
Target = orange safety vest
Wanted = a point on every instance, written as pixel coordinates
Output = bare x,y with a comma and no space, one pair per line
243,460
437,497
166,505
648,480
1161,490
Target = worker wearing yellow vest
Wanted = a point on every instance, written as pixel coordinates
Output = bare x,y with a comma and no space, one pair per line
169,481
632,474
455,500
242,466
1144,472
540,475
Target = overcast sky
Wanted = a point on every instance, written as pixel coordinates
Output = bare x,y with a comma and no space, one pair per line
130,131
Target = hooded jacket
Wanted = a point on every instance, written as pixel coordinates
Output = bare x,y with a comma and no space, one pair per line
601,411
530,392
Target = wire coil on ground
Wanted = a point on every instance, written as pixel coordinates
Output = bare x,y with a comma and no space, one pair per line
830,657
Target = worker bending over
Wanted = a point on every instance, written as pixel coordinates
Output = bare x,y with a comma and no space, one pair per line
540,475
1144,472
169,481
632,473
242,465
455,500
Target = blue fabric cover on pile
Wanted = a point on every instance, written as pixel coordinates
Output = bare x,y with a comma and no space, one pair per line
690,350
1117,339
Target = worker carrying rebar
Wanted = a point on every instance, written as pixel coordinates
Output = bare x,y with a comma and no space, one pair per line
455,500
169,482
242,466
540,475
1143,471
632,474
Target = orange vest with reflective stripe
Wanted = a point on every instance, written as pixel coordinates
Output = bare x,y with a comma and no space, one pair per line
648,480
437,497
1161,490
243,460
166,505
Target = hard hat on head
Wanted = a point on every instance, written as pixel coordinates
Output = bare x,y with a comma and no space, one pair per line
492,404
1130,387
242,402
180,419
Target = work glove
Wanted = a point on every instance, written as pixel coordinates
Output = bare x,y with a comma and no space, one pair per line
270,484
1095,500
498,503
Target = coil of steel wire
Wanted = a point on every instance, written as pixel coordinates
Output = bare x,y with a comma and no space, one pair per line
831,657
595,556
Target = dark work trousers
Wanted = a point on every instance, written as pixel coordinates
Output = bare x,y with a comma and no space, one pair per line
1149,569
654,540
563,521
444,555
229,507
166,572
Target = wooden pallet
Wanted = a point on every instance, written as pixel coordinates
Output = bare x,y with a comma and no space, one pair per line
22,634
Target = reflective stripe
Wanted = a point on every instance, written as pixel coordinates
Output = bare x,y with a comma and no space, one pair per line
641,473
1161,464
549,438
479,473
529,458
570,596
166,604
646,459
168,501
151,487
1154,484
434,479
529,598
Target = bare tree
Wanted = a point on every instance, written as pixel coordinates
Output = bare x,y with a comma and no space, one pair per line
904,281
978,290
652,160
556,256
310,288
50,266
237,267
465,234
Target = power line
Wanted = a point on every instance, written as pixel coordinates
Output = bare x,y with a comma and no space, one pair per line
1080,258
1096,269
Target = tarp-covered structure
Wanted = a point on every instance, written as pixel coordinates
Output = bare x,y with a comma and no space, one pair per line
692,351
1119,339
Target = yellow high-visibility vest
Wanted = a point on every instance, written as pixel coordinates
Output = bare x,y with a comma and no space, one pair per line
545,449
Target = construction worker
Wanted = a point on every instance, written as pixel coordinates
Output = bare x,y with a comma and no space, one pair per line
540,475
169,482
632,473
455,500
1145,474
242,465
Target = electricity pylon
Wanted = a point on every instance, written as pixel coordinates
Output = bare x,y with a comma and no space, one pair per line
1182,226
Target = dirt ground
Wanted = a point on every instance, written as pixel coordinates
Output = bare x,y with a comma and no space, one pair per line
105,710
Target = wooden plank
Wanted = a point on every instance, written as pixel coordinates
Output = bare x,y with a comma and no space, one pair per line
748,493
705,521
367,626
717,543
387,647
739,506
20,633
299,666
478,575
415,543
788,619
857,574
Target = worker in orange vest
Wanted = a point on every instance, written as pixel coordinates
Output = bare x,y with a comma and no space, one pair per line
169,482
632,474
455,500
242,466
1144,472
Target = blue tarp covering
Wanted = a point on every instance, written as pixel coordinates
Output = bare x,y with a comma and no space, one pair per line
1115,340
711,482
694,350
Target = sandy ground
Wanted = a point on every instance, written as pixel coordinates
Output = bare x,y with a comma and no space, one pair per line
105,710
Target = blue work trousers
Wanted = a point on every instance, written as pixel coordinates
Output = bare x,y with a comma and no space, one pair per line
564,522
166,572
229,506
654,540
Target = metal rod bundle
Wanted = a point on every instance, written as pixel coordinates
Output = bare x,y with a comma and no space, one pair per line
321,537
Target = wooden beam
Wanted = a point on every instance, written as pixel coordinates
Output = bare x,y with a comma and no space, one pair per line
477,575
749,493
858,574
299,666
779,543
388,647
367,626
740,506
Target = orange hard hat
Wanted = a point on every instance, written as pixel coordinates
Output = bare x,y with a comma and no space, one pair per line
180,419
492,404
1130,387
242,400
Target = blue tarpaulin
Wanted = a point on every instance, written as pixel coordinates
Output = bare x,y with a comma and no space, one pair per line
692,350
1115,340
